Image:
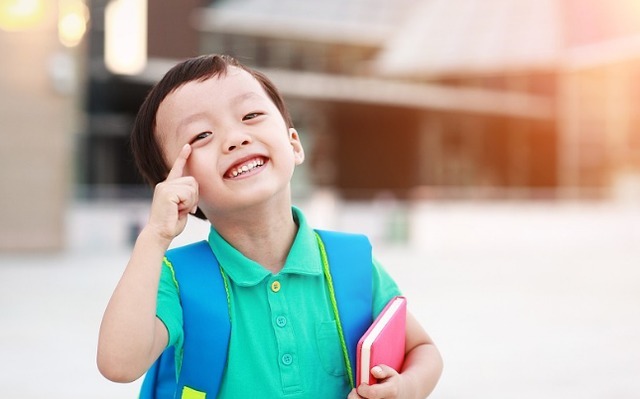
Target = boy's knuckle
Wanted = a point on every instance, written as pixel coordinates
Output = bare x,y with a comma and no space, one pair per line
161,187
368,391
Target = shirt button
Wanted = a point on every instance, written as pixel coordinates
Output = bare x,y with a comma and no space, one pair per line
287,359
281,321
275,286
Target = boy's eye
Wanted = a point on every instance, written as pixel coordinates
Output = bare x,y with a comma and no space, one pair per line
201,136
251,116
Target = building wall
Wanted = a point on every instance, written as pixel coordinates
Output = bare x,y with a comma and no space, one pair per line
35,142
171,32
460,152
598,125
375,149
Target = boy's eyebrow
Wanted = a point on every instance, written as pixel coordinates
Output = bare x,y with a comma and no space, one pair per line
189,119
244,96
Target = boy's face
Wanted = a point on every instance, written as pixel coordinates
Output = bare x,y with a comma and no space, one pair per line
242,152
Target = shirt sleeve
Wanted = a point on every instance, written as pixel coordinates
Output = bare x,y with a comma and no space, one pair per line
384,288
168,309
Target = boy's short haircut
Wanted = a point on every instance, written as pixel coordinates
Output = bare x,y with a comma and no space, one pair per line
150,160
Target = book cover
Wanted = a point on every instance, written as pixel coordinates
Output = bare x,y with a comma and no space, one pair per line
383,342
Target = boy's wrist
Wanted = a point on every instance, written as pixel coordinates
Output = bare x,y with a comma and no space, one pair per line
150,235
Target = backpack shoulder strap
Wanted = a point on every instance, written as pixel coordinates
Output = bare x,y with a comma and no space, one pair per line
350,263
206,326
160,380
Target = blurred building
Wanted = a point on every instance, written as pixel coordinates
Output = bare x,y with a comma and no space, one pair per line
434,98
581,56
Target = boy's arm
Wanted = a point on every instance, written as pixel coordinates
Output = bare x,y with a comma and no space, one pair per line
131,336
420,373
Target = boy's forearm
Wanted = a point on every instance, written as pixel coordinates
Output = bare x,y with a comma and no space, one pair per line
422,370
127,332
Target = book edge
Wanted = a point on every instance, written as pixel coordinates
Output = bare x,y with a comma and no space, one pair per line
370,337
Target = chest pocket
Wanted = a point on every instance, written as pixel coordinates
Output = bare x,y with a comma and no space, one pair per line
330,349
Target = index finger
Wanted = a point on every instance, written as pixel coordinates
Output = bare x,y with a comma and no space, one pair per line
177,170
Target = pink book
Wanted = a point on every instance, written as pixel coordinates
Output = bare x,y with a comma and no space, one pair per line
383,343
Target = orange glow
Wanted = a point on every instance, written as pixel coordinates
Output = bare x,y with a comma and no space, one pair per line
19,15
72,22
125,37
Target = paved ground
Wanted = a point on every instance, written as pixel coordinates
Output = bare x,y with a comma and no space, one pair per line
524,301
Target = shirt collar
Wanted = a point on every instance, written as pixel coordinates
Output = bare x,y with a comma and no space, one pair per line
303,257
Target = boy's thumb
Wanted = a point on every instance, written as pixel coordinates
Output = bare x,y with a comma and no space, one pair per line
378,372
382,372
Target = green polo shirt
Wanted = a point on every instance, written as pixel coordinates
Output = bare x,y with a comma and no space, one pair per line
284,341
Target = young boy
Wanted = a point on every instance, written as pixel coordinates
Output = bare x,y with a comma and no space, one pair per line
215,138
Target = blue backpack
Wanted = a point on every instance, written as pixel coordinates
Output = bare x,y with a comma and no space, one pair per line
207,328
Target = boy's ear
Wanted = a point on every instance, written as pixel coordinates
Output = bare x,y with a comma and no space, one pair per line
298,151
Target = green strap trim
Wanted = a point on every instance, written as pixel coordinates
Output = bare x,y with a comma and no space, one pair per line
334,305
167,263
225,279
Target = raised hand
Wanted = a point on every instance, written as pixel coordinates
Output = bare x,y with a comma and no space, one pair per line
173,199
131,336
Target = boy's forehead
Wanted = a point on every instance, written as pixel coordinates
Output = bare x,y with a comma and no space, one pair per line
231,76
227,85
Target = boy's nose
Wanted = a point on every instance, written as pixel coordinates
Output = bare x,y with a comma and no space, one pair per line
233,147
237,140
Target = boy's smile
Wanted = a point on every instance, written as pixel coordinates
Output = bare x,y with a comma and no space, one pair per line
245,168
242,151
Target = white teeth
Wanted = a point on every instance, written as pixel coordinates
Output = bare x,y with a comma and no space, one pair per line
245,168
